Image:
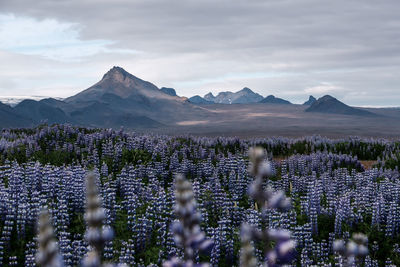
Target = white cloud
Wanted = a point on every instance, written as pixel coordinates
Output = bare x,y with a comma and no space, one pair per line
286,48
49,38
323,88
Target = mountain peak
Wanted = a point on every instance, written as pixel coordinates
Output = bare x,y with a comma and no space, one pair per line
117,73
246,90
327,98
209,97
311,100
121,83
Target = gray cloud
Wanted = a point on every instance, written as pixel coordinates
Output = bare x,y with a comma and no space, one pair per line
289,48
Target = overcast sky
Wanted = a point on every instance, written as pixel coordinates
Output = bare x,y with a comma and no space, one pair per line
291,48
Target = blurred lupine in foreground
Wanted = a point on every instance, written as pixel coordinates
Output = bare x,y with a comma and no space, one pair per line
96,234
279,248
354,251
47,254
187,232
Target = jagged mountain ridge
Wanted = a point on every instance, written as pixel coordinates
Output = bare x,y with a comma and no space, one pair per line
244,96
199,100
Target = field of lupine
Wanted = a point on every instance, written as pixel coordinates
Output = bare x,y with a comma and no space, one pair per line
75,196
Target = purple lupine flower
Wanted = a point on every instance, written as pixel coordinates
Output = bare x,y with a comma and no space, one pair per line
284,249
96,234
187,232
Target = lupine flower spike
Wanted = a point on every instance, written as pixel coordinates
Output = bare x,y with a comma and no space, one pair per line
96,234
283,250
187,230
47,254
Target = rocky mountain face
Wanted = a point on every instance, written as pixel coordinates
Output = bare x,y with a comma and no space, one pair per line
244,96
274,100
199,100
168,91
329,104
122,84
311,100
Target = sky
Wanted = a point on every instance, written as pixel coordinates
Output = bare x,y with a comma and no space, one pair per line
349,49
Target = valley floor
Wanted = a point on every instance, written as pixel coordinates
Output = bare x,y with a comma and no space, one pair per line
257,120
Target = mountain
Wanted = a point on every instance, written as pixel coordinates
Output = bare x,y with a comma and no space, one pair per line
274,100
119,82
120,95
14,100
9,118
168,91
209,97
199,100
243,96
329,104
39,111
311,100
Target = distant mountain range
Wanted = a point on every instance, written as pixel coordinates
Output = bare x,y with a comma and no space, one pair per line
14,100
122,99
243,96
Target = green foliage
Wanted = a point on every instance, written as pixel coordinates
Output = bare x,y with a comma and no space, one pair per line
77,224
326,225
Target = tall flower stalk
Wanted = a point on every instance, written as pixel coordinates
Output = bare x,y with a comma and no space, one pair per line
47,254
279,248
187,232
96,234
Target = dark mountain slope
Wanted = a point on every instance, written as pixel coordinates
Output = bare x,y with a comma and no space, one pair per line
104,115
39,111
9,118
